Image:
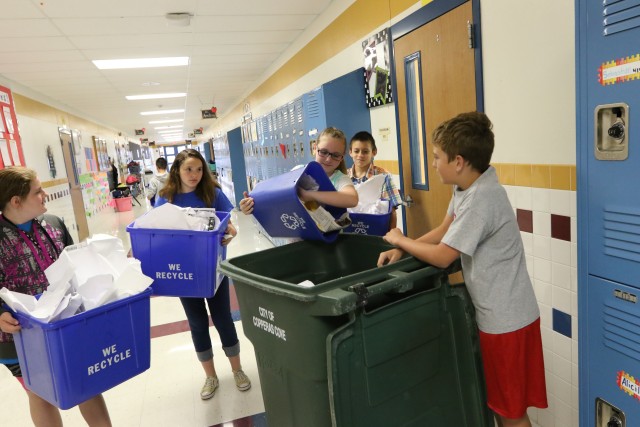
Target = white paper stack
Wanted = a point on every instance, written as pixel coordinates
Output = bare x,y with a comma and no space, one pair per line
85,276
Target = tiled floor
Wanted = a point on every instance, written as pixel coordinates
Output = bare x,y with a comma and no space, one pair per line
168,393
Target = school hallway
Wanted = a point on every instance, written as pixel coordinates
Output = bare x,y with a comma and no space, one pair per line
167,394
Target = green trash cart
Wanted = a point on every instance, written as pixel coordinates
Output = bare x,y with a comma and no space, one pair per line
365,346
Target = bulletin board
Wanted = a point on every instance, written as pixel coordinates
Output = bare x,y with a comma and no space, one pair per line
10,143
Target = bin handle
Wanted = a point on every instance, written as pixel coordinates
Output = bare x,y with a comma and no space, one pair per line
339,301
399,281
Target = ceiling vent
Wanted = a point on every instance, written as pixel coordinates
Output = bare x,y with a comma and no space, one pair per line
179,19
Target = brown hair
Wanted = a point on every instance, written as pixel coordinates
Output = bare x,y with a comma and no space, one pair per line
337,134
468,135
15,181
206,187
364,136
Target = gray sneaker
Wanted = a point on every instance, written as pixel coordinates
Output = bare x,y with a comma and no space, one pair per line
209,388
242,380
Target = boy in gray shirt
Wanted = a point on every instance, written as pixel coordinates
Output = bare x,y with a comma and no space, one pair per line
481,228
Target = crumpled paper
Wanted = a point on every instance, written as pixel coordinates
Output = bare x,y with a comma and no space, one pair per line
172,217
369,197
85,276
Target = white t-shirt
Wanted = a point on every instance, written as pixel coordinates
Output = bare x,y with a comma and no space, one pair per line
340,180
485,232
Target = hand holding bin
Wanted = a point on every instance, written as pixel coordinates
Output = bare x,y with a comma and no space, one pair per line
281,213
72,360
182,263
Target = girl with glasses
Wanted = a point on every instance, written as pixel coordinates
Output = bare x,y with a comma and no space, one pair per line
330,150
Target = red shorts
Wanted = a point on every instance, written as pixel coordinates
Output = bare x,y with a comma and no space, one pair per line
514,370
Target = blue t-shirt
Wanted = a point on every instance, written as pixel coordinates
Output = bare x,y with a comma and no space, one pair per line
191,200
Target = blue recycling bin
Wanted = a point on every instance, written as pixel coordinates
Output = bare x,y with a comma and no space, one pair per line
369,224
72,360
182,263
281,213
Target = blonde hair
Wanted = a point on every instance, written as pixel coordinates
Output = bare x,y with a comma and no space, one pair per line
337,134
15,181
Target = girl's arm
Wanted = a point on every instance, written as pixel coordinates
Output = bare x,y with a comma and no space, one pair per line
347,197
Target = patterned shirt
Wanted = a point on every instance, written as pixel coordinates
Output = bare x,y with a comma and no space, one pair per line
389,190
20,270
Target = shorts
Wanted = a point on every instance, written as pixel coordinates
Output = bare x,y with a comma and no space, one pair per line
514,370
16,372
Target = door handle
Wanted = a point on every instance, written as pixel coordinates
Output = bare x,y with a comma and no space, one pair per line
408,201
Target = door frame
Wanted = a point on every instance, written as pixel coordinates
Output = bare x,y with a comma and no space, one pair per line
422,16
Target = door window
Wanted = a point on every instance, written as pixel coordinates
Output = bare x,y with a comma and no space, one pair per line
415,117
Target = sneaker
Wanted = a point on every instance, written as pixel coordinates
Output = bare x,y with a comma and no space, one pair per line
242,380
209,388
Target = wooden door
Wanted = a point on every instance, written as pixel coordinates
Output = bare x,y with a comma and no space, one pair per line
435,80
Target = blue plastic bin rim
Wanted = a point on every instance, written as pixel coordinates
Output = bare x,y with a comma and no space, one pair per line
222,215
85,314
312,168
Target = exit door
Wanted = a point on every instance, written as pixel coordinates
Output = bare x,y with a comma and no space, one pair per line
608,101
435,73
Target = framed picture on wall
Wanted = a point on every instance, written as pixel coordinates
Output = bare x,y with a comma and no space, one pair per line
377,69
101,155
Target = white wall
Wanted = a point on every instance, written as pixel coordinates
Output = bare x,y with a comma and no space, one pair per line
529,79
36,135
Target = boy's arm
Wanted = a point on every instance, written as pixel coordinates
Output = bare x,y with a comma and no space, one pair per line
426,248
347,197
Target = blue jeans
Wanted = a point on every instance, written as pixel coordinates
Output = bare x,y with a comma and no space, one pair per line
198,318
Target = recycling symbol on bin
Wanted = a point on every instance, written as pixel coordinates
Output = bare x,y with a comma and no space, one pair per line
289,221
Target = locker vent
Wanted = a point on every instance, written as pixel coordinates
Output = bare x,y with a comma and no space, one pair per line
621,328
622,233
620,15
313,107
298,106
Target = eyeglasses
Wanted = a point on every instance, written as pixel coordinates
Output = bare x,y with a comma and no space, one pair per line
325,153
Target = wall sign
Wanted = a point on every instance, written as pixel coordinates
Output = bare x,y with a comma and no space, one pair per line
619,71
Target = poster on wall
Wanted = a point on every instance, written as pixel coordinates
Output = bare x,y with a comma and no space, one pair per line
14,153
11,149
4,153
377,69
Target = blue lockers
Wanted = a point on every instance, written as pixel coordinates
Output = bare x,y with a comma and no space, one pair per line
608,122
286,135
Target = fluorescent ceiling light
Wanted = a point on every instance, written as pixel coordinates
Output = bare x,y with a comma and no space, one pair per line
115,64
155,96
157,122
169,132
158,112
169,127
